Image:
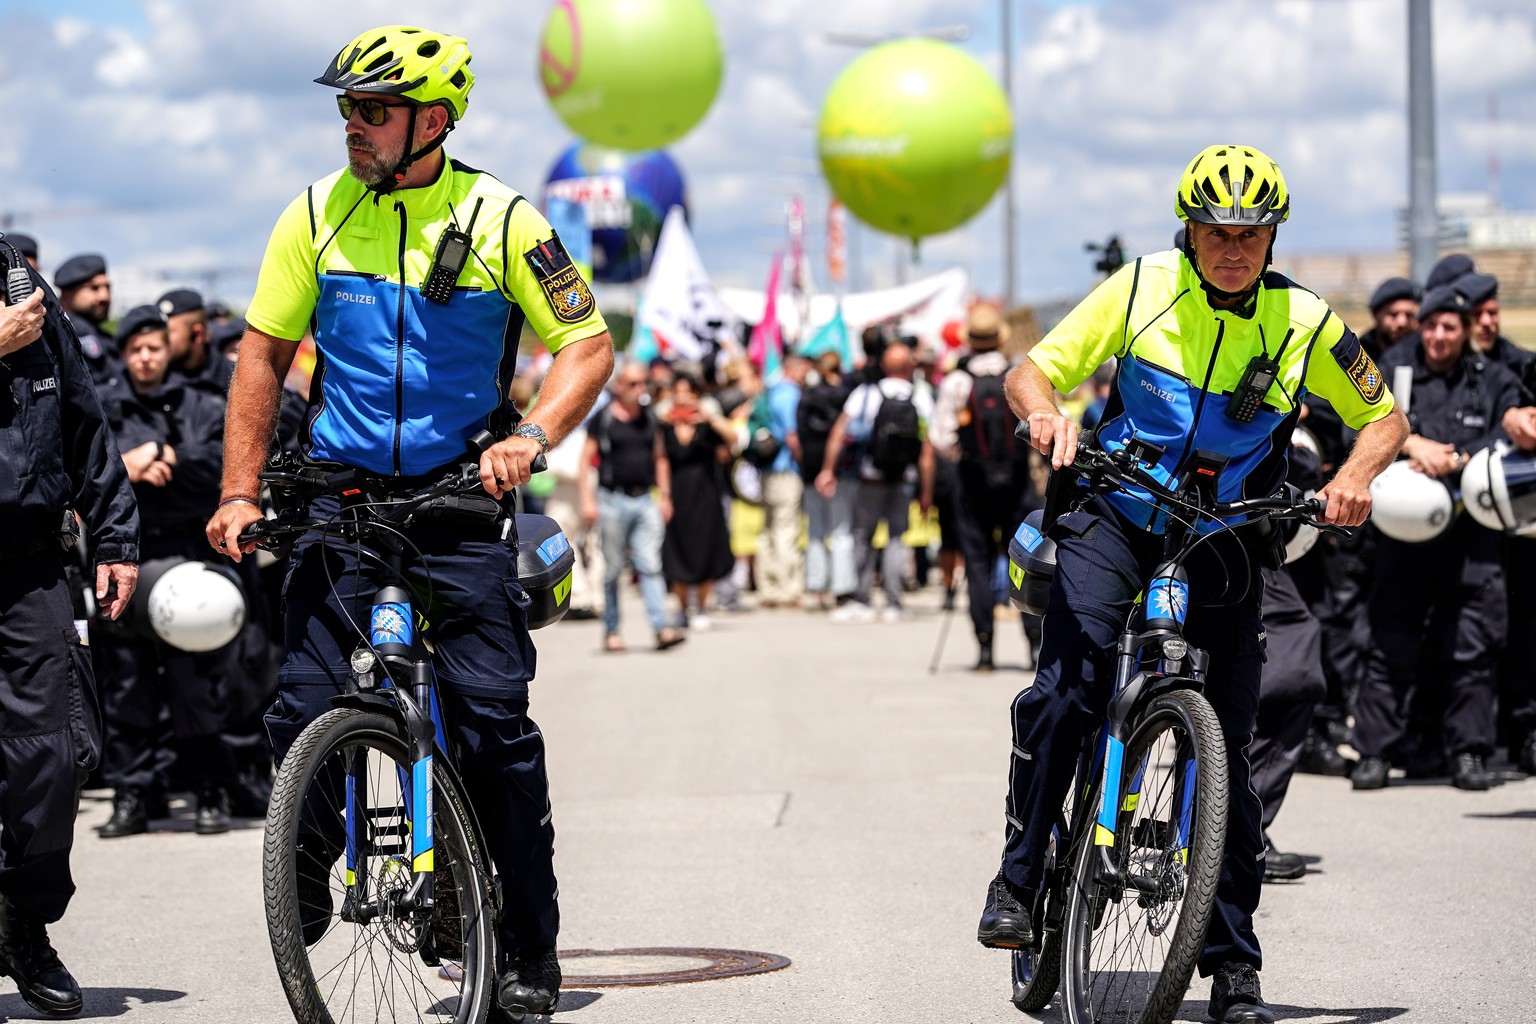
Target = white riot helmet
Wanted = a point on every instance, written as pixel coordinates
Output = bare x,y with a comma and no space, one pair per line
1408,506
196,608
1499,489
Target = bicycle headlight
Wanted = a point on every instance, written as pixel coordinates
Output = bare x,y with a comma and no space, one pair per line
1174,649
363,661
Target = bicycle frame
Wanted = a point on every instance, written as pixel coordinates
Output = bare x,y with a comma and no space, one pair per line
397,645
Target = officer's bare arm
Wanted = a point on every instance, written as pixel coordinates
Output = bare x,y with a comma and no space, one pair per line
254,397
1349,493
577,376
1033,398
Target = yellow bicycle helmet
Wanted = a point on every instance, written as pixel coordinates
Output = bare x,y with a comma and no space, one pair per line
1236,185
401,60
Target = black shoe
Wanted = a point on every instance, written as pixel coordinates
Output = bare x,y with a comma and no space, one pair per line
1370,773
212,811
313,882
1320,757
949,599
29,959
1527,759
1005,918
130,816
1468,773
984,658
530,984
1235,996
1281,867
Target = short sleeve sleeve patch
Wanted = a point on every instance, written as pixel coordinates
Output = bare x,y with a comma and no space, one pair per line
1359,368
570,298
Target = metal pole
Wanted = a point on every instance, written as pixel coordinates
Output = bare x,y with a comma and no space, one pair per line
1423,223
1009,244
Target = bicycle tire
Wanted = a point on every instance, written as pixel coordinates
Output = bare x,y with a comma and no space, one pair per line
1099,921
461,883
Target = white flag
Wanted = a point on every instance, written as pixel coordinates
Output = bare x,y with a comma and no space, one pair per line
680,308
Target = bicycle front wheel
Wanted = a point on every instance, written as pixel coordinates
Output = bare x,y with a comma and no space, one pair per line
1133,935
355,944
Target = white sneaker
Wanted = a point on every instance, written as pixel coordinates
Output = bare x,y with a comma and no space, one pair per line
699,622
852,612
891,616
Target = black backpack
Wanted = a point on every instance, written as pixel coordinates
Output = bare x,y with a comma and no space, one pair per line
986,431
895,438
815,416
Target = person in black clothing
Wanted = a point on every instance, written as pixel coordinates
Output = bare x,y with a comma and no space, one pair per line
696,550
193,355
973,426
170,434
621,440
62,463
830,571
85,292
1482,294
1443,599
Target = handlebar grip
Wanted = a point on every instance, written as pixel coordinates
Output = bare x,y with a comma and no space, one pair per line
539,464
1022,431
255,533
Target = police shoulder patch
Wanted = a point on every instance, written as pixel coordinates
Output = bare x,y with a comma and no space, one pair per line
569,296
1359,368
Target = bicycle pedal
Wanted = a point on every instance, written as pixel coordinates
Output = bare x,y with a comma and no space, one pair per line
1151,834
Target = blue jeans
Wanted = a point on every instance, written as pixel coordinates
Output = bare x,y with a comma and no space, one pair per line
631,530
829,561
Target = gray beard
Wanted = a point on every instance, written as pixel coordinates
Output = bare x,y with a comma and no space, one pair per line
372,170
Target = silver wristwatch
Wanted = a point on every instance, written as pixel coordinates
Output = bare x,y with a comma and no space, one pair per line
534,431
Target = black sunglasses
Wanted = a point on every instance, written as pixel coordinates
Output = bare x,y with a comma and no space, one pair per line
374,111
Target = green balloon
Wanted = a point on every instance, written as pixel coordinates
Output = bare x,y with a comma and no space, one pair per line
631,74
915,137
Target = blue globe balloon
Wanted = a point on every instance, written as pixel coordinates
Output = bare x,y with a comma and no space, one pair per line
626,195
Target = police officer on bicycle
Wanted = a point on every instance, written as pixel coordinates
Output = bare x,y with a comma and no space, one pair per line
418,274
1216,354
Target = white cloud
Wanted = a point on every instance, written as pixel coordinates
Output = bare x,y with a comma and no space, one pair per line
177,141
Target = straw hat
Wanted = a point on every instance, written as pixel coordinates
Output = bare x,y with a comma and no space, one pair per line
985,328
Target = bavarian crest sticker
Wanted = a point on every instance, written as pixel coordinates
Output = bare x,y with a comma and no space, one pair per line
570,298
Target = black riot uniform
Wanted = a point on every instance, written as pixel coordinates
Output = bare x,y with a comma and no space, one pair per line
58,454
142,675
1441,602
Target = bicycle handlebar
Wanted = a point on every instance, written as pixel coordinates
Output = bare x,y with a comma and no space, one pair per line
1121,469
315,482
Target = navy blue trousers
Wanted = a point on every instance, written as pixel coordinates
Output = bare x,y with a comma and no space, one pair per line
50,733
484,660
1101,563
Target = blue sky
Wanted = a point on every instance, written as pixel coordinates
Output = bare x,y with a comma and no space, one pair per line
168,134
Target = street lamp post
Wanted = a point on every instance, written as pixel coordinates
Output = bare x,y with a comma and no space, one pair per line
1423,223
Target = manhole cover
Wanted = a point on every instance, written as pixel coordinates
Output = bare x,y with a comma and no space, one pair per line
663,966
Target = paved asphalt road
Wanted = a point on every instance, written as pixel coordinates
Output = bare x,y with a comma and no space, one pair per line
786,785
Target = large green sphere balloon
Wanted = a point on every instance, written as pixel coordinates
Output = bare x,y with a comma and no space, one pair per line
630,74
915,136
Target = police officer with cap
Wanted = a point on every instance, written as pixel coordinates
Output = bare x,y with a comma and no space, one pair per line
1395,308
170,433
1442,600
1482,294
85,292
62,457
192,354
